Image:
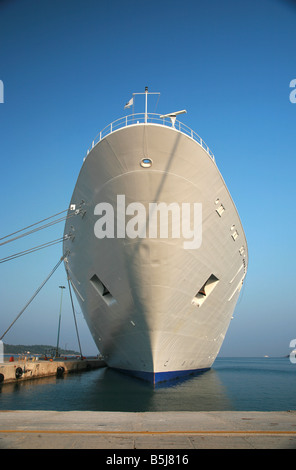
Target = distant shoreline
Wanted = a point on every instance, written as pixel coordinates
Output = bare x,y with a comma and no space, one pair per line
34,349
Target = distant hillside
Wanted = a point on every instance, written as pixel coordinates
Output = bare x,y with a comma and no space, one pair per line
34,349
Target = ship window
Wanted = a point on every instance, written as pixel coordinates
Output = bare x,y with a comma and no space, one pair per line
205,290
220,210
241,250
102,290
234,235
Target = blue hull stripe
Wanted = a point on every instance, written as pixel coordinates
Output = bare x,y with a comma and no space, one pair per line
158,377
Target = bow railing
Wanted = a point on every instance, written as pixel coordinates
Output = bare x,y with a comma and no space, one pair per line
150,118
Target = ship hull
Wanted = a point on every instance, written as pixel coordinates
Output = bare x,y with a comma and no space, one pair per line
156,309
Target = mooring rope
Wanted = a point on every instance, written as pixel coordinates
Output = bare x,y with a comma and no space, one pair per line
36,229
68,278
34,248
34,295
32,225
73,212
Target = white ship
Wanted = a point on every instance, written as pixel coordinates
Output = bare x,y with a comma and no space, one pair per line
158,297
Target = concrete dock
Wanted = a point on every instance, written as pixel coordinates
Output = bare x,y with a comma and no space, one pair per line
150,430
26,370
185,431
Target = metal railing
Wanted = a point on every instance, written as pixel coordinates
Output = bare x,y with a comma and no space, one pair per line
150,118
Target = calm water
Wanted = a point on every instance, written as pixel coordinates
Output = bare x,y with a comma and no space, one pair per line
259,384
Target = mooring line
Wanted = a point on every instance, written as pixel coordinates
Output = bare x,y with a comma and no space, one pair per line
34,295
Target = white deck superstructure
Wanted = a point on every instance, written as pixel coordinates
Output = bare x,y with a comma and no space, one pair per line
154,308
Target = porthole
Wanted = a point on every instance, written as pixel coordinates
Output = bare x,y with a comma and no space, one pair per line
146,162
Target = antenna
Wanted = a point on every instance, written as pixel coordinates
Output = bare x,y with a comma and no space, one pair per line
172,116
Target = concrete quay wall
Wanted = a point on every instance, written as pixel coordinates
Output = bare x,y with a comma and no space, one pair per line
26,370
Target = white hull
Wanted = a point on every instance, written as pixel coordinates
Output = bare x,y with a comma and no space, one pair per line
152,322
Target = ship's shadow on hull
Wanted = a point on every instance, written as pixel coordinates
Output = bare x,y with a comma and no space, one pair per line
162,379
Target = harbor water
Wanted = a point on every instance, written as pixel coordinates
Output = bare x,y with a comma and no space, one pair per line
233,384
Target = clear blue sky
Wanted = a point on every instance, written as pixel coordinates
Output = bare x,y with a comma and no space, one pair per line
68,68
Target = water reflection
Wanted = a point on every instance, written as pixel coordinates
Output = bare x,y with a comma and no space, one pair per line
203,392
232,384
109,390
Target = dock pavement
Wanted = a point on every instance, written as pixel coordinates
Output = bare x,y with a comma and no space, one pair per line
150,430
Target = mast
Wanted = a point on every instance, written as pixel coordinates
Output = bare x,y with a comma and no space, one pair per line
146,93
146,102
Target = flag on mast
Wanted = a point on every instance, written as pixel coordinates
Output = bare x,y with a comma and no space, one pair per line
130,103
